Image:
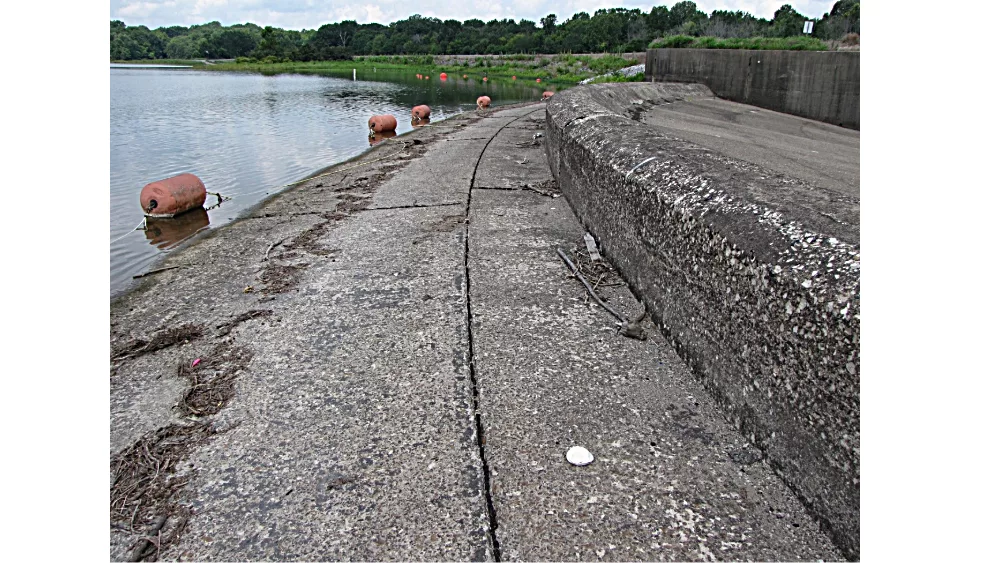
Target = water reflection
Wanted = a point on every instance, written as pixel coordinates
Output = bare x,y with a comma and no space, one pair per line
379,137
169,232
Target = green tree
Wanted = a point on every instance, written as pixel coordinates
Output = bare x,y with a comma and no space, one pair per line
683,12
548,24
125,48
787,22
182,47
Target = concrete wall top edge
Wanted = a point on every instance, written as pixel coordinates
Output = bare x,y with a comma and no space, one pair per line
809,233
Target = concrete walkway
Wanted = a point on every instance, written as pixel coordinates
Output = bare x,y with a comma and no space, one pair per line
394,362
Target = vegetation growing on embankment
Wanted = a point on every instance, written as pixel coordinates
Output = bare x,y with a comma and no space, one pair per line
558,69
753,43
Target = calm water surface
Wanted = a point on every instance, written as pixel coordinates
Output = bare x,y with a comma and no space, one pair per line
246,134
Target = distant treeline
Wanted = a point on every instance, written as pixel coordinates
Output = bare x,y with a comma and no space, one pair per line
614,30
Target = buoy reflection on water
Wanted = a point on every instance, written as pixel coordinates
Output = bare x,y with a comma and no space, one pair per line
168,233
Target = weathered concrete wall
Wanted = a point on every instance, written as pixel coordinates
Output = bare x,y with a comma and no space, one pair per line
754,277
825,86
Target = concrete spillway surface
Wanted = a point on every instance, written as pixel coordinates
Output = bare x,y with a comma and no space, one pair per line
394,363
818,153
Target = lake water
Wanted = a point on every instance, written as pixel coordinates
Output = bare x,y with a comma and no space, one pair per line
245,134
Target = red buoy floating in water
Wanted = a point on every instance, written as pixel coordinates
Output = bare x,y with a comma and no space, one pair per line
420,75
513,78
483,102
381,123
465,77
485,79
546,94
420,112
538,80
172,196
444,76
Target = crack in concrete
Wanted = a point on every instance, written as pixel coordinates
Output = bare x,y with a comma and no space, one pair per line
480,440
414,206
296,214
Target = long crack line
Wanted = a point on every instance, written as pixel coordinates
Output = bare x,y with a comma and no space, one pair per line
487,490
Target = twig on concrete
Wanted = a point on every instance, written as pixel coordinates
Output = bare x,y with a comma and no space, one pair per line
139,553
576,272
270,248
538,191
157,271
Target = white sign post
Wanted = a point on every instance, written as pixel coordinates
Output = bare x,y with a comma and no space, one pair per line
808,27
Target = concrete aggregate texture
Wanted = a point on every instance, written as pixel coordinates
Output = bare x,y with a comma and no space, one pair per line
394,363
753,274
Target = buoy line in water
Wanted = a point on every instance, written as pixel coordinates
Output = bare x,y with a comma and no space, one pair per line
130,231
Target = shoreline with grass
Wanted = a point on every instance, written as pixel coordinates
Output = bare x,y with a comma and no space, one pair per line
558,69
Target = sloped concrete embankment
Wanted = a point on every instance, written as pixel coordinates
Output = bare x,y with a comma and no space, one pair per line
753,276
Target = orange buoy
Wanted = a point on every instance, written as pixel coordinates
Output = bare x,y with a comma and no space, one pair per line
444,76
172,196
465,77
427,78
483,102
485,79
420,112
538,80
546,94
420,75
381,123
513,78
379,137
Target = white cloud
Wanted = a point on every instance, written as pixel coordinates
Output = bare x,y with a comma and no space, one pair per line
310,14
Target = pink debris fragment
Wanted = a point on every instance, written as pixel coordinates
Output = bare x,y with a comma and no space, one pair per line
196,362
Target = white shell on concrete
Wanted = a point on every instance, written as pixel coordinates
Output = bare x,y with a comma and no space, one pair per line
579,456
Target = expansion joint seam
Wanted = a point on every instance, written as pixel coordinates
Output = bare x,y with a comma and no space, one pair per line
479,437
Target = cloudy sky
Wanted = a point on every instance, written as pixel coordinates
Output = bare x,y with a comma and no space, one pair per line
310,14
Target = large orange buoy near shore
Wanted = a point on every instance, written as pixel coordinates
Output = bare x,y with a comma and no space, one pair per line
420,112
172,196
483,102
546,95
381,123
444,76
